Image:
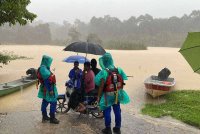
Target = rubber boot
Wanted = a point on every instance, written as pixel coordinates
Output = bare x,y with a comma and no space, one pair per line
107,130
53,119
116,130
45,117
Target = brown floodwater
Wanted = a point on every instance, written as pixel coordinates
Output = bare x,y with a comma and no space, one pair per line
23,107
139,64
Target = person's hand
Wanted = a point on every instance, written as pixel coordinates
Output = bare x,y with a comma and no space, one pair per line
51,93
84,72
98,99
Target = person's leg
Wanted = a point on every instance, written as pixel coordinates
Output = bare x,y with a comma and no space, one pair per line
107,118
80,108
52,113
117,112
44,110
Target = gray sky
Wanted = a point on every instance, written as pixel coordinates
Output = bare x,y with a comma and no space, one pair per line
59,10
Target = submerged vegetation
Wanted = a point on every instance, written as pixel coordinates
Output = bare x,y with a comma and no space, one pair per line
6,57
181,105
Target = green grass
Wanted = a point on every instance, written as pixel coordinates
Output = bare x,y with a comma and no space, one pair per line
182,105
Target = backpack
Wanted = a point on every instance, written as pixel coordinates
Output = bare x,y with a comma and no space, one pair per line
51,78
39,77
114,81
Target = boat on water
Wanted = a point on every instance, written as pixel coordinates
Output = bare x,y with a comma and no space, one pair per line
156,87
10,87
23,82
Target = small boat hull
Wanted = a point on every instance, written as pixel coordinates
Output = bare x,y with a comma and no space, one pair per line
156,88
13,86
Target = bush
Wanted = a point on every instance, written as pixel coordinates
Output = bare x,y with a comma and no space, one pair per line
6,57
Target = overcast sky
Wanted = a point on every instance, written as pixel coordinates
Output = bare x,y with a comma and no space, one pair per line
59,10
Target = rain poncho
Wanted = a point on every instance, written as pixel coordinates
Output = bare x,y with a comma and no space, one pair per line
45,73
106,62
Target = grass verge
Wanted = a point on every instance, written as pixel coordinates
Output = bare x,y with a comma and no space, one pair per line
182,105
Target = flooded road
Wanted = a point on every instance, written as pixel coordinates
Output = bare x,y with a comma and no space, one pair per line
23,107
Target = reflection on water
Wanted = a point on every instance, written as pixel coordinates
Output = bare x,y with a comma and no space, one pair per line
25,99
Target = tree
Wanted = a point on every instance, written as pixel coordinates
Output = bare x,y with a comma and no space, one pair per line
195,13
14,11
93,38
74,34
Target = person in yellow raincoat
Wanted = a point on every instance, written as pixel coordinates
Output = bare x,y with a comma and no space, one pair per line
111,98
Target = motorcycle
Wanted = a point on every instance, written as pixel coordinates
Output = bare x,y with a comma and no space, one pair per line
90,102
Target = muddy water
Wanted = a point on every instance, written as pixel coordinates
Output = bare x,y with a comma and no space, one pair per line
139,64
23,107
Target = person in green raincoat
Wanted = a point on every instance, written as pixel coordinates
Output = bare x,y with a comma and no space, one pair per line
110,99
47,90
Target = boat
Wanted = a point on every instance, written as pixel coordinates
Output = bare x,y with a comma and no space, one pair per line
10,87
156,87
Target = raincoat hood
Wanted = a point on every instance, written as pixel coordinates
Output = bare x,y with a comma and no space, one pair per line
46,61
106,61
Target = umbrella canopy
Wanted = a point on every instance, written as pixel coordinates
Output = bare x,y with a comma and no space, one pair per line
191,50
72,59
85,47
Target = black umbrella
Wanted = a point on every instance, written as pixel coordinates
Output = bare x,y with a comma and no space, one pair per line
85,47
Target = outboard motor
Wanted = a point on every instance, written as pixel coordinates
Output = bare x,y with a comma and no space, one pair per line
164,74
32,72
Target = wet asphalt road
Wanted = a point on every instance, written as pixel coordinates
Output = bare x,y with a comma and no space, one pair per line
29,122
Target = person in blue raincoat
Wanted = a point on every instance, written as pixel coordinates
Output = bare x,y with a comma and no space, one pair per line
47,90
75,76
112,98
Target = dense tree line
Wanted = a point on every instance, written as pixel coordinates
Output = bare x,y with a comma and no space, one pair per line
144,29
39,34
